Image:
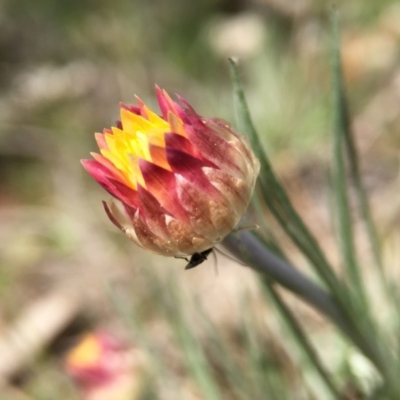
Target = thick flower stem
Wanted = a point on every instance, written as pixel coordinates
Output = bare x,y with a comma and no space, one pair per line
246,247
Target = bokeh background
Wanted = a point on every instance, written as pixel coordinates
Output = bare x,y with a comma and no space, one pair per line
64,268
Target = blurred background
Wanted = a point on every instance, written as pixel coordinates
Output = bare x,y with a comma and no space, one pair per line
85,314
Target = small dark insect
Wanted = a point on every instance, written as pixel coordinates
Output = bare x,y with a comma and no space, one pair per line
197,258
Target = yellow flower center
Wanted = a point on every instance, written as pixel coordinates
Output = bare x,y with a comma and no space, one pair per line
136,140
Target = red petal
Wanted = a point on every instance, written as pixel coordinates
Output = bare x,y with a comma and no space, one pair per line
126,194
180,111
191,168
162,185
178,142
162,103
142,109
97,170
133,109
216,149
109,165
191,115
167,104
153,213
110,183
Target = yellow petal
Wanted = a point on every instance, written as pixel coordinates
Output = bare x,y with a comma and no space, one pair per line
143,143
132,123
176,124
119,162
136,173
155,119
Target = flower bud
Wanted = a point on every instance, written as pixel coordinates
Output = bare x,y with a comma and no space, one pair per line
183,181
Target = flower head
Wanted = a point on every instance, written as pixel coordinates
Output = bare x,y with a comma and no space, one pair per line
183,181
86,361
105,367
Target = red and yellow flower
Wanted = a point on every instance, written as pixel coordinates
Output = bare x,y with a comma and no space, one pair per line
105,367
183,181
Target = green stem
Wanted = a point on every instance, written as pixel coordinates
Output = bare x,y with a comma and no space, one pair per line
246,247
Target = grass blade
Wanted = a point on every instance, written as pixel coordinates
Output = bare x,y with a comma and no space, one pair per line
278,201
301,338
280,205
345,224
352,159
